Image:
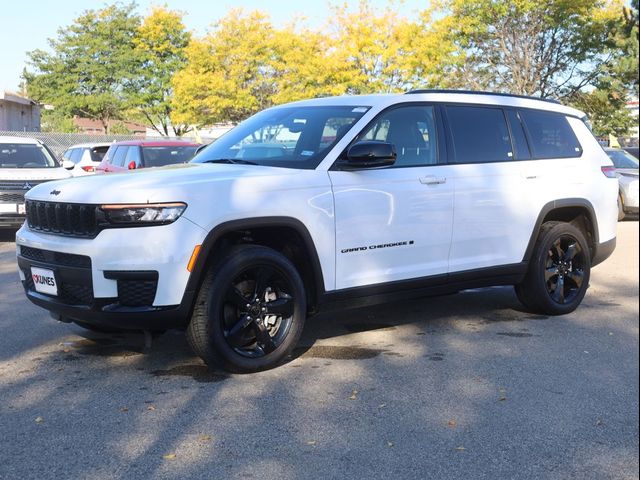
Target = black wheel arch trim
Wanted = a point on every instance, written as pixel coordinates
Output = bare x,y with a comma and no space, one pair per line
195,279
555,205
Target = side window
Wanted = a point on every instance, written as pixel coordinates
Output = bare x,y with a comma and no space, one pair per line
519,138
98,153
119,156
67,154
550,134
479,134
133,155
334,129
75,155
412,129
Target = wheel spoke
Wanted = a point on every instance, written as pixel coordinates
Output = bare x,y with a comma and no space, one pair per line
557,249
571,252
236,298
577,277
235,333
263,275
558,294
263,339
550,272
282,307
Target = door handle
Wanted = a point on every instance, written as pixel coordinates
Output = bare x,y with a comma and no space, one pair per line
432,180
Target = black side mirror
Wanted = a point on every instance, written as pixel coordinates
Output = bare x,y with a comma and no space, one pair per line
368,154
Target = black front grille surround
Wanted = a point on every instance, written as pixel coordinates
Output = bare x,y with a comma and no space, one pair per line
56,258
135,288
68,219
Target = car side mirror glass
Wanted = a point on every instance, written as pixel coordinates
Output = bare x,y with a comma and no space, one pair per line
68,165
369,154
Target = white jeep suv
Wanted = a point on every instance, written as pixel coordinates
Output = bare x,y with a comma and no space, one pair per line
334,201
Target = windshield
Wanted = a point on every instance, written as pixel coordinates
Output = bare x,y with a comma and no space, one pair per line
20,155
160,156
292,137
622,159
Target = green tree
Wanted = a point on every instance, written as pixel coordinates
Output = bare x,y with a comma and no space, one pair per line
160,44
90,67
529,47
57,121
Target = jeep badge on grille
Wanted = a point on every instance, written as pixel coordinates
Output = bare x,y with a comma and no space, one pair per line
54,192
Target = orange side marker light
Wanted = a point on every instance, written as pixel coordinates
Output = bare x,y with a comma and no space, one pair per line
194,258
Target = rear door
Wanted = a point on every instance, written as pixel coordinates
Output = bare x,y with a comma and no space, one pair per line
493,211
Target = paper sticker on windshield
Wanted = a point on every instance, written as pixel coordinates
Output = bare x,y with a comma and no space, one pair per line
306,153
359,109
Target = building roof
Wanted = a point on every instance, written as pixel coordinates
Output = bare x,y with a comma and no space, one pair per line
12,97
90,124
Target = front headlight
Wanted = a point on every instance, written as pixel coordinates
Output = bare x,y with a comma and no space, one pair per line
143,214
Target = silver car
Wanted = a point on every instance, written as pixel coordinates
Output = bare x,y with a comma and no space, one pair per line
627,170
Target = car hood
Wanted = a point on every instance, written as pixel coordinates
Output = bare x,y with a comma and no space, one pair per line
35,174
164,184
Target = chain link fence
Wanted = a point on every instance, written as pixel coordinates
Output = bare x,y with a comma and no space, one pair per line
59,142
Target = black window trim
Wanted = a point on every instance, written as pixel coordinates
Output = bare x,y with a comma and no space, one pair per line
524,132
441,141
451,157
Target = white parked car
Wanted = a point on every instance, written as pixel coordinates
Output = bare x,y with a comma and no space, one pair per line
86,157
626,166
366,199
24,163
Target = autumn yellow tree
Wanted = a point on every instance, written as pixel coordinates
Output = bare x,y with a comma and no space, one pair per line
228,75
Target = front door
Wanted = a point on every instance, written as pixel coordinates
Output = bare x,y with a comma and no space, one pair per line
395,223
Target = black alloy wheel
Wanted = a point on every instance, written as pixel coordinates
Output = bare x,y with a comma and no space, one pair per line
257,311
250,310
564,269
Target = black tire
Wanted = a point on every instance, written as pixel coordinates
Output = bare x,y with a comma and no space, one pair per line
249,312
621,213
559,271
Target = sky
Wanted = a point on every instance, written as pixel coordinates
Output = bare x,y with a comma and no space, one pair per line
26,25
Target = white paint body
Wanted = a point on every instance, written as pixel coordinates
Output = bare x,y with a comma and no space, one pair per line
481,215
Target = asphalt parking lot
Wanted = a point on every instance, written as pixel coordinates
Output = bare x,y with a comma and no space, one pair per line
461,386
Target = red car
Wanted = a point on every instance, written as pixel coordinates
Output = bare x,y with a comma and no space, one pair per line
123,156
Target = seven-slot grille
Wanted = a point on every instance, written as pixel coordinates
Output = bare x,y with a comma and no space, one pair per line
72,219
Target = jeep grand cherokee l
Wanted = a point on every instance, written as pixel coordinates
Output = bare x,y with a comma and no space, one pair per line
335,201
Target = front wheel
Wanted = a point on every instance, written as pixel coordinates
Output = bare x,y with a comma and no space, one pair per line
559,271
250,310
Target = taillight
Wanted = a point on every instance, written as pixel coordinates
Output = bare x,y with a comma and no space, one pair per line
609,172
89,168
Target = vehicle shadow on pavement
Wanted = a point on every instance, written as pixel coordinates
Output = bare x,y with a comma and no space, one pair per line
437,387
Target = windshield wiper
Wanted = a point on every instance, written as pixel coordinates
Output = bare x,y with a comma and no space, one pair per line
231,160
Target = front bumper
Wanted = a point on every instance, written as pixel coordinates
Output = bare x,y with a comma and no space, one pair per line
131,278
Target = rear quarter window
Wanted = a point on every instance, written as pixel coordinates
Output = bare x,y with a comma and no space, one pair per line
550,135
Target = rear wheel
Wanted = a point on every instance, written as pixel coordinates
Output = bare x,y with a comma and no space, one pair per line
559,270
250,310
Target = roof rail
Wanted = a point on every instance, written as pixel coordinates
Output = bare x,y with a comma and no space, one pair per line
474,92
